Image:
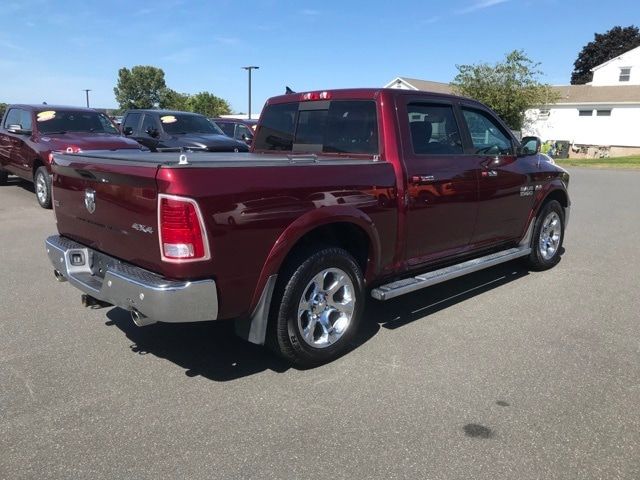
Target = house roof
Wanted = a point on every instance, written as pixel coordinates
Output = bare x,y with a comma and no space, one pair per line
597,67
423,85
586,94
569,94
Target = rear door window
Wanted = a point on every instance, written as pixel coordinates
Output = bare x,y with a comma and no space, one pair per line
434,130
347,127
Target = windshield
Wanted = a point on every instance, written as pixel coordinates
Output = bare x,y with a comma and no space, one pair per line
176,123
51,121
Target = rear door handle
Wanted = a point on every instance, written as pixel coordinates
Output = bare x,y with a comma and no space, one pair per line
420,179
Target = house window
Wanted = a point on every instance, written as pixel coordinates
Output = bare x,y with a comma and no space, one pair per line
604,113
625,74
585,113
543,114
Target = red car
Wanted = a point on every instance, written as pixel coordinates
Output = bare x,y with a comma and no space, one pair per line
345,194
30,133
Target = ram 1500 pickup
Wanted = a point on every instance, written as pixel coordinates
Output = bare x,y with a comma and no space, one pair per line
30,133
345,193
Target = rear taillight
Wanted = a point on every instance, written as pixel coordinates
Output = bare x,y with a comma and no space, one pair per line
182,234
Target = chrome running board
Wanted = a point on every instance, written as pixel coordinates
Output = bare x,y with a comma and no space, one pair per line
407,285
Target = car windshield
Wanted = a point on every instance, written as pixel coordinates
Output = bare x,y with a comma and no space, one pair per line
176,123
51,121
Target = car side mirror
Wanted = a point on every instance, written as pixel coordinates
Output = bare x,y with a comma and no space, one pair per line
152,132
530,146
17,128
127,130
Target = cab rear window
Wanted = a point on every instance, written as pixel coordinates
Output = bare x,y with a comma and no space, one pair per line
320,127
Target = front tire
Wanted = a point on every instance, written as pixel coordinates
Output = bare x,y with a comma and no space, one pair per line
321,307
548,235
42,183
3,177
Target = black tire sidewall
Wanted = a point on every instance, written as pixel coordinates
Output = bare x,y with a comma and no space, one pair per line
536,261
290,340
47,181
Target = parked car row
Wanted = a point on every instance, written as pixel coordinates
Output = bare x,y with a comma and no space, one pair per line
29,134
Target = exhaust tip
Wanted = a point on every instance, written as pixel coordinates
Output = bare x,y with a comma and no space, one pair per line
59,276
140,319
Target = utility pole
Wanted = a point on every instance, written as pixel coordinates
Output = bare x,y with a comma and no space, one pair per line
248,69
86,91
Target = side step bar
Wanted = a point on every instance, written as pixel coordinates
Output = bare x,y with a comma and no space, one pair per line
407,285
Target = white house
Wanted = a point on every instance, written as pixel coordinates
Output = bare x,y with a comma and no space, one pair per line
604,113
622,70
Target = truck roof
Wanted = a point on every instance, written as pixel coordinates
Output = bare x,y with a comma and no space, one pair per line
359,94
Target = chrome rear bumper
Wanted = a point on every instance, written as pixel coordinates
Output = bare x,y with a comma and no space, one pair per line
149,296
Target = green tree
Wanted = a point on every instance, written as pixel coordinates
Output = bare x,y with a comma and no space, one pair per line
140,87
209,105
603,48
172,100
3,107
509,87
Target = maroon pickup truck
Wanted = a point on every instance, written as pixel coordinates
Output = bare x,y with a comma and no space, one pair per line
30,133
345,193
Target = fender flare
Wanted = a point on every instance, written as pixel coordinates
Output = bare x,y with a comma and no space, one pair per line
254,328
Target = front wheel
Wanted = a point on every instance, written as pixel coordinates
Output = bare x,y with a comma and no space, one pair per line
3,177
320,310
548,235
42,182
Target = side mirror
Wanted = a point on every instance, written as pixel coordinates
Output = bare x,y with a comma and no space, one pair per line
152,132
530,146
127,130
17,128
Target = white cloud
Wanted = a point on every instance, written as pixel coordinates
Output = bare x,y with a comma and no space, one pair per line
479,5
309,12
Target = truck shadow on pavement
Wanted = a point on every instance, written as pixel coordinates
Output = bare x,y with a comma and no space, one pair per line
209,349
213,351
408,308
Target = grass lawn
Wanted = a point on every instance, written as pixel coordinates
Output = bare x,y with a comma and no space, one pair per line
615,162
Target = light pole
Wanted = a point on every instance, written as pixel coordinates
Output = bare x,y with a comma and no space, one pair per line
86,91
248,69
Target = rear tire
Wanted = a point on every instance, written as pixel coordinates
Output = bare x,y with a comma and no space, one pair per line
320,308
42,184
3,177
548,235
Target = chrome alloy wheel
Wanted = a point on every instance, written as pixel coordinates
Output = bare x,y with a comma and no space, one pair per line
550,234
326,308
41,187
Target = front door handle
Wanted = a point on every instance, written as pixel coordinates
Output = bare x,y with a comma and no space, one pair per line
422,179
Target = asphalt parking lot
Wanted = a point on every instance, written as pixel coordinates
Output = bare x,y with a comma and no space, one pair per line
504,374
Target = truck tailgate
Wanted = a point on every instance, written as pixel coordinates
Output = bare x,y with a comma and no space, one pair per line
109,205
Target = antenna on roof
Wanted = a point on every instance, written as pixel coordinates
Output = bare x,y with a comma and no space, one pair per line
288,91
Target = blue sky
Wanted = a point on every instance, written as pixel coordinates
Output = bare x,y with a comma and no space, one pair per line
52,49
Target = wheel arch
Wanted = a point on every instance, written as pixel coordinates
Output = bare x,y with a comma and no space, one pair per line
341,226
